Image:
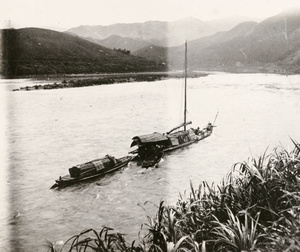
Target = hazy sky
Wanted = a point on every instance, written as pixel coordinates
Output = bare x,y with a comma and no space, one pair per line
64,14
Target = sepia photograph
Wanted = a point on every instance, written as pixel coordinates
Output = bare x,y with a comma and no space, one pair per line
150,125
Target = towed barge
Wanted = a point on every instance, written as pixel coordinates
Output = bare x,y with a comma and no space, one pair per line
90,170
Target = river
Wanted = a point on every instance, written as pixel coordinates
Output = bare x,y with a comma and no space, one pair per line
48,131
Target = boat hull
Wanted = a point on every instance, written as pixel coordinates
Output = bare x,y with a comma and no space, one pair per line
158,148
68,180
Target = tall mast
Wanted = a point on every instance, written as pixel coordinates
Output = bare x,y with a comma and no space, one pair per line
185,76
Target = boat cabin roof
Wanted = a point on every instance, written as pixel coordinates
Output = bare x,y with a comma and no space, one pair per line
150,138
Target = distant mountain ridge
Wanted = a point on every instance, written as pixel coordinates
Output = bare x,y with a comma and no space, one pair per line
272,45
166,33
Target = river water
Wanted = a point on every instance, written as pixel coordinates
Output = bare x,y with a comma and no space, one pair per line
48,131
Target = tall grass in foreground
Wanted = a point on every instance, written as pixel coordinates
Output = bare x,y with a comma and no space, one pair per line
255,208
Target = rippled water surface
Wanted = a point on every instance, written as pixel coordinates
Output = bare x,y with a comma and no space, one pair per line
48,131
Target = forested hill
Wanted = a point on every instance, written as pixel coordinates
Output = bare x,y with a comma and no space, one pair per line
34,51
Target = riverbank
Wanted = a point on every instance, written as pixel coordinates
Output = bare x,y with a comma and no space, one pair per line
255,208
73,81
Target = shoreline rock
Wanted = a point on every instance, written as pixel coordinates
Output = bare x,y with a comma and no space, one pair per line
86,81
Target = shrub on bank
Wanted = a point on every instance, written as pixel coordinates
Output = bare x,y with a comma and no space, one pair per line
255,208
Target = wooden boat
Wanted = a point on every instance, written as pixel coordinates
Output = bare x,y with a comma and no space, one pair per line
151,147
92,169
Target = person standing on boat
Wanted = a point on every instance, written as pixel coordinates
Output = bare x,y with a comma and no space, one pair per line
209,127
197,131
